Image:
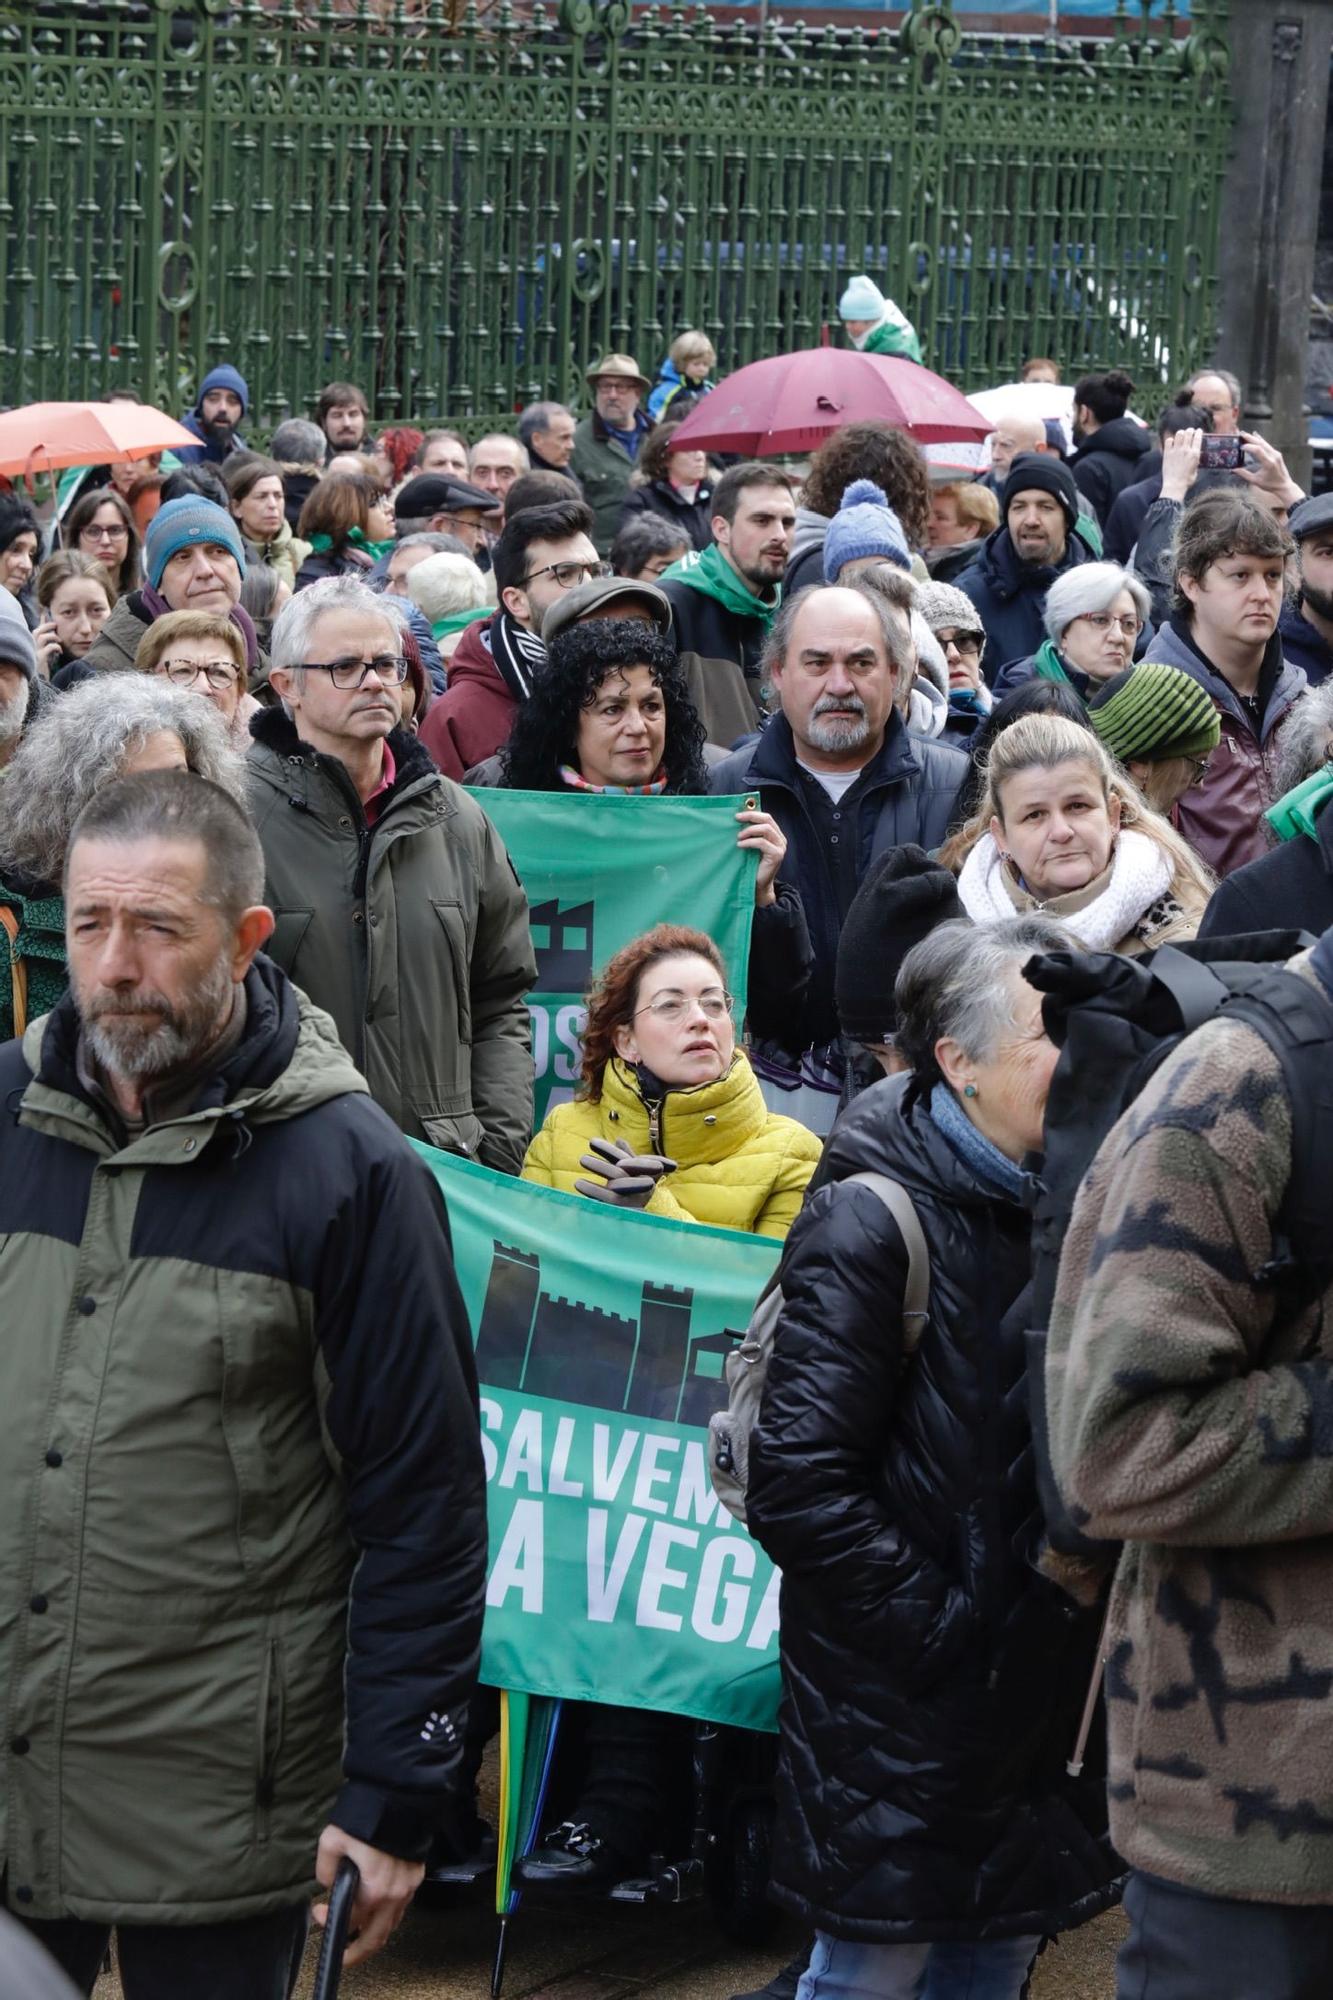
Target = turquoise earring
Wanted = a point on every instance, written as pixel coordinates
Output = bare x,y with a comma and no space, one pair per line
969,1090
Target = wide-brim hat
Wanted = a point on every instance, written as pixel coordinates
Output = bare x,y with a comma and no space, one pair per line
622,365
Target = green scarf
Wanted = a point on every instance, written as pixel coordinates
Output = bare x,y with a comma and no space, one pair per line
1048,665
1297,811
321,543
457,621
712,574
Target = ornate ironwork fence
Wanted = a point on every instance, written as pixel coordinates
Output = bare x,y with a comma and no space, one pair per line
459,215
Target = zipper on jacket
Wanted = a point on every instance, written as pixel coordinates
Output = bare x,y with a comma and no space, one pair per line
271,1720
656,1120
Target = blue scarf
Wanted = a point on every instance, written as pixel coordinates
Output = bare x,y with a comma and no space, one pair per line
995,1173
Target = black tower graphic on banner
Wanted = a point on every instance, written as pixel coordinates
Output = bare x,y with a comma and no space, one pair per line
562,945
573,1353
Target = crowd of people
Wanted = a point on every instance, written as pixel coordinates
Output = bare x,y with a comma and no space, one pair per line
1068,716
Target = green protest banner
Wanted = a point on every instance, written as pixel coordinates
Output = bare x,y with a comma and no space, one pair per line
598,871
616,1575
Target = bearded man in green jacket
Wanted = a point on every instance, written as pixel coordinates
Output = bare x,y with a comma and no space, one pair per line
242,1502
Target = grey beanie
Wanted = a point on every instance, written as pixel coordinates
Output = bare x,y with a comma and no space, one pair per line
16,647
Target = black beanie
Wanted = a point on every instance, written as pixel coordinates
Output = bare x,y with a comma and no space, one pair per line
900,902
1034,469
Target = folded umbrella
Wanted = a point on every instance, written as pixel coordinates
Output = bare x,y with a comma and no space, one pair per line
792,402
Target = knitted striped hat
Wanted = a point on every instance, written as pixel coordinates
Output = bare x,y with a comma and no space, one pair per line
1153,711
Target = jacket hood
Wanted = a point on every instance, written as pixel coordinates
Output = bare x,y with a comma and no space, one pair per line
273,729
1122,437
1174,644
774,755
472,659
289,1060
1008,576
811,529
888,1129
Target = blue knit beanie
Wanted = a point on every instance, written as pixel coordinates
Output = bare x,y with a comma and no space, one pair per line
864,525
184,523
224,376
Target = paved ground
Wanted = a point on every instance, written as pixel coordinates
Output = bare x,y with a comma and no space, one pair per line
610,1954
601,1951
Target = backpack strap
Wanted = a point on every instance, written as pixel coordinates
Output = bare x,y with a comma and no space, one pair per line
18,971
916,1294
1295,1017
1197,991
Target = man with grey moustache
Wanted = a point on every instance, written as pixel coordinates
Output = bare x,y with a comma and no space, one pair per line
837,769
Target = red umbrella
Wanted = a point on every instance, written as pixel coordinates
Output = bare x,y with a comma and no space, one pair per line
43,437
792,402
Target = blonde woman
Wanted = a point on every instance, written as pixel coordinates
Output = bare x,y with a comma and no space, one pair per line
1060,829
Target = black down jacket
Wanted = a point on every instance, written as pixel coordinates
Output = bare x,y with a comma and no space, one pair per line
932,1682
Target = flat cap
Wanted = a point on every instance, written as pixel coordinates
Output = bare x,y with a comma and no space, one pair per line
1308,516
608,597
441,493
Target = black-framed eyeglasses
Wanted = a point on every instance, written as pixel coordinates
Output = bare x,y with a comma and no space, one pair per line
349,673
569,574
219,674
1199,768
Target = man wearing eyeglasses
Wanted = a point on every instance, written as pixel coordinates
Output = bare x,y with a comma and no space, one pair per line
543,553
397,907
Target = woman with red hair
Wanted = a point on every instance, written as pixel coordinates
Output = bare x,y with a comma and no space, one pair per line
669,1116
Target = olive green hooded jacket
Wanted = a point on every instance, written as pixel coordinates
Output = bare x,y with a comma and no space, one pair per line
412,933
242,1503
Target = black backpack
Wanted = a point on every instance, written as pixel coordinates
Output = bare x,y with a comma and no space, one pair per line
1115,1021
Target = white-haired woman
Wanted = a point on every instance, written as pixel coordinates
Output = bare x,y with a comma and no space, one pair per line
106,728
1095,615
1061,830
931,1678
449,591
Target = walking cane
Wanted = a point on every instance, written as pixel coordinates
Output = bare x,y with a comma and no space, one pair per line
329,1970
1074,1766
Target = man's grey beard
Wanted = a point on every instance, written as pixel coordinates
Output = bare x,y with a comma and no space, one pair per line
13,715
844,734
127,1049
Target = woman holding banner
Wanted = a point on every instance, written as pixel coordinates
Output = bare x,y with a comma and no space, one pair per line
669,1117
610,713
670,1120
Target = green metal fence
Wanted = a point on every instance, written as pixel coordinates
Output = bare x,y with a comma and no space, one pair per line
459,214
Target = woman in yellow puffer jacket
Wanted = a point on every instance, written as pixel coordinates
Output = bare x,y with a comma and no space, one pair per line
670,1118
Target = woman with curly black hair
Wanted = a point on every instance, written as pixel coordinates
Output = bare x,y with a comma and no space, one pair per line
610,712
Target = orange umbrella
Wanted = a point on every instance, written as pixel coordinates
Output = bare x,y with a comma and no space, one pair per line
44,437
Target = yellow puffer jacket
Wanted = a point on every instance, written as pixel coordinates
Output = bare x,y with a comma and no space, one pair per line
738,1164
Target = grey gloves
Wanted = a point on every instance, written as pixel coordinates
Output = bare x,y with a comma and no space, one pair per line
625,1177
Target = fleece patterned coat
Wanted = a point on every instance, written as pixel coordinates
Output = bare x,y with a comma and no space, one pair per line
738,1164
1194,1421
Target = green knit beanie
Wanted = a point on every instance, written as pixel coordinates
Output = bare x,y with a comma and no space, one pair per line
1151,712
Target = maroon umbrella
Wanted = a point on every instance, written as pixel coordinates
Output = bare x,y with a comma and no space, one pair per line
792,402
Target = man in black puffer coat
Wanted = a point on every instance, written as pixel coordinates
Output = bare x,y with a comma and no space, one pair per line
932,1679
